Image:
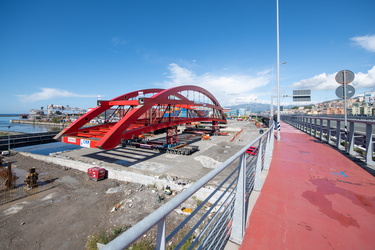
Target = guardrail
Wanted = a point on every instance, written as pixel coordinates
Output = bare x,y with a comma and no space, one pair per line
221,216
28,139
357,137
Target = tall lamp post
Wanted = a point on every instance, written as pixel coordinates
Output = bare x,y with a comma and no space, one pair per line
9,137
272,97
278,68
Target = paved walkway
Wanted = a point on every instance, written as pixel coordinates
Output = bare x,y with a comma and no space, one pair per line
313,198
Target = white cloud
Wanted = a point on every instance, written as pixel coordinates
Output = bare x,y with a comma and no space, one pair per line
50,93
327,81
319,82
117,41
180,76
228,89
265,72
366,42
363,80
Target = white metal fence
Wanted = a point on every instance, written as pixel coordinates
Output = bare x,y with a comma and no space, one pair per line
357,137
221,216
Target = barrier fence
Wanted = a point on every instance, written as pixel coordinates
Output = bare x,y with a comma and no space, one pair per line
220,217
21,192
22,140
356,139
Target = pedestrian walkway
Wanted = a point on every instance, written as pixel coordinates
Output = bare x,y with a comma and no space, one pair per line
313,198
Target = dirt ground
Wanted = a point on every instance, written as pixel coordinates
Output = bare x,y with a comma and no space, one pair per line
64,216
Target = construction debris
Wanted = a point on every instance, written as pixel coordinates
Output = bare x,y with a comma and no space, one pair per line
168,190
7,178
10,180
187,210
206,137
31,180
96,173
160,198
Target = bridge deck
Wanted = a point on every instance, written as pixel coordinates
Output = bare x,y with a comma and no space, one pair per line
313,198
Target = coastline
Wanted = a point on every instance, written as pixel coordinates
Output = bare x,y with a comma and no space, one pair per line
9,115
5,133
35,122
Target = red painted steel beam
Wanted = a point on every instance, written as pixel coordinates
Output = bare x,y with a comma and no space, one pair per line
75,126
108,136
118,103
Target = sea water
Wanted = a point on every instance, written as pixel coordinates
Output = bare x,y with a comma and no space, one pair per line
42,149
24,128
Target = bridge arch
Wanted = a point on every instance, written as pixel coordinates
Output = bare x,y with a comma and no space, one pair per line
142,111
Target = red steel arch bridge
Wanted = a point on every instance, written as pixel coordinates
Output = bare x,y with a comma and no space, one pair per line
143,111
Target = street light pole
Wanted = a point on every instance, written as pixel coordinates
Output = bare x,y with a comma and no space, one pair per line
278,69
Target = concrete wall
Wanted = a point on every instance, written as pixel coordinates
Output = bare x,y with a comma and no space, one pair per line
121,175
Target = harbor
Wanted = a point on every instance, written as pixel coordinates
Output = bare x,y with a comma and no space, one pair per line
8,124
23,135
39,123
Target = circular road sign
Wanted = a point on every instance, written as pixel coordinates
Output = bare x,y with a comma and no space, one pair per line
340,76
350,91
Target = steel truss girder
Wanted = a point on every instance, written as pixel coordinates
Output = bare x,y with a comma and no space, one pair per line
139,117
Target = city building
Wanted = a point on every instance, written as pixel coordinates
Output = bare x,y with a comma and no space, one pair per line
359,106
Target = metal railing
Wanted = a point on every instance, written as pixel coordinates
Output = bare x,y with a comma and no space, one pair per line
22,140
357,137
220,216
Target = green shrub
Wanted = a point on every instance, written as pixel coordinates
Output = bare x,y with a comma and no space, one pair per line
104,238
144,244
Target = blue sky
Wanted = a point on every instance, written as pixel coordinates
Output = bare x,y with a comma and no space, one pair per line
69,52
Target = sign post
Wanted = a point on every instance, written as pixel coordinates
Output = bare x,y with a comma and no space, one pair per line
302,95
345,77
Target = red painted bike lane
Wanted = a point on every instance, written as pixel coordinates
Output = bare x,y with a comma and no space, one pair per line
313,198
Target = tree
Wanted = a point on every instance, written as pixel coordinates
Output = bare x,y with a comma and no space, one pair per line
56,120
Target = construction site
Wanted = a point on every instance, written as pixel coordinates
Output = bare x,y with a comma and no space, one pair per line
66,201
